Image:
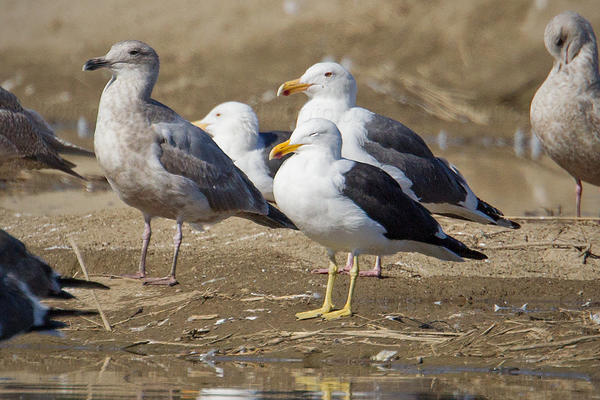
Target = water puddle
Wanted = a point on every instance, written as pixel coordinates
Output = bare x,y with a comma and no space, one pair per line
256,379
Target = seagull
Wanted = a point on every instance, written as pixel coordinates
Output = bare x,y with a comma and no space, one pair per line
351,206
41,280
565,111
160,163
388,144
22,311
234,127
28,142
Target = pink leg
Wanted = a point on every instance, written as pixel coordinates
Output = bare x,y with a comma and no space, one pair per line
145,241
169,279
346,268
578,191
374,273
349,264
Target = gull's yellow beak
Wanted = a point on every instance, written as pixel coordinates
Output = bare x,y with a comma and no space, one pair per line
291,87
282,149
200,124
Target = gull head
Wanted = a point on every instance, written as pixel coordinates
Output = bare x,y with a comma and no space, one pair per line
233,126
566,34
326,79
231,116
128,55
316,134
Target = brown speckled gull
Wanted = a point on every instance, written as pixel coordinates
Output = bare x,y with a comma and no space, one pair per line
28,142
565,111
160,163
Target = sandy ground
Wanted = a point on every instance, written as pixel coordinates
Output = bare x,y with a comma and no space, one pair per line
240,285
469,68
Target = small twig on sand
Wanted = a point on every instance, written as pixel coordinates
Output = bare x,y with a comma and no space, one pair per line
559,344
515,246
87,278
182,344
551,218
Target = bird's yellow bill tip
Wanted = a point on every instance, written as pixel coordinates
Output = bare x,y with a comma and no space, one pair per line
282,149
291,87
200,124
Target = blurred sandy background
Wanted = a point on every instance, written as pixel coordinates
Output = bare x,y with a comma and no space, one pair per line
469,67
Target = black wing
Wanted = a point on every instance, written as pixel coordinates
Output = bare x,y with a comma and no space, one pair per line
392,134
432,180
28,268
382,199
268,140
17,307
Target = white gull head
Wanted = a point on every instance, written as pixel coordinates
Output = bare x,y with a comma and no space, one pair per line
233,126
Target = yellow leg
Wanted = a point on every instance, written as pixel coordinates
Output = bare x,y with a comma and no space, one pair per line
347,310
327,304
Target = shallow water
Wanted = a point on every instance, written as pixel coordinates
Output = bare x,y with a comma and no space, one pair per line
256,379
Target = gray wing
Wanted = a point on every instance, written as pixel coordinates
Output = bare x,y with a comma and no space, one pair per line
392,134
23,141
268,140
592,106
188,151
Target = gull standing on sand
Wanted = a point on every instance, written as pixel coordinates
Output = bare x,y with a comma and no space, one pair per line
28,142
388,144
565,111
160,163
39,277
234,127
351,206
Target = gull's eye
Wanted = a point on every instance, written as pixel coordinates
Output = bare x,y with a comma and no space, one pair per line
560,41
134,52
328,74
218,114
314,134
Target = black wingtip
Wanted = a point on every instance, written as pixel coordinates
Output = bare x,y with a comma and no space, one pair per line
49,325
473,254
461,249
280,218
60,312
496,215
507,223
62,295
274,219
80,283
